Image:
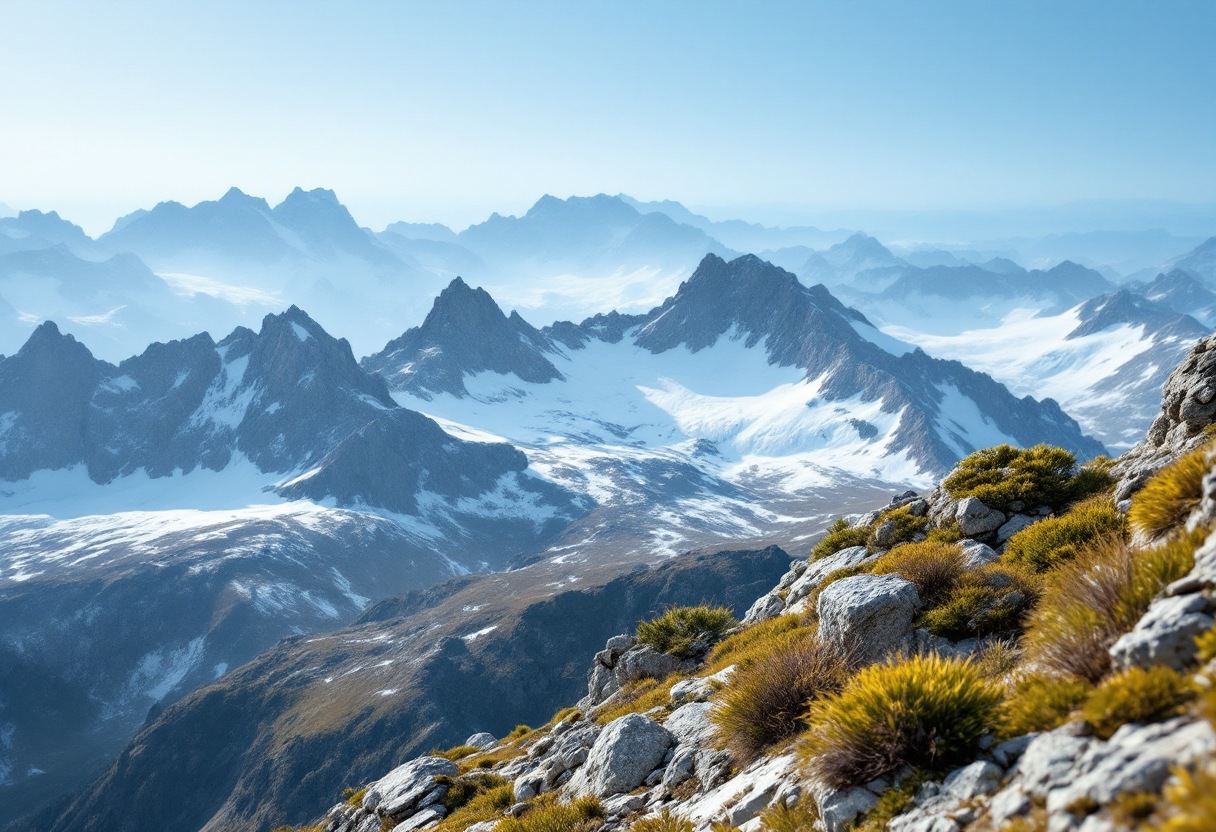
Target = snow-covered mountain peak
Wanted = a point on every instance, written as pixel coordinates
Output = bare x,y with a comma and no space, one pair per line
464,333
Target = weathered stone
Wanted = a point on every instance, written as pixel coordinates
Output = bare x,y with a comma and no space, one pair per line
1137,758
690,724
1165,634
1014,525
765,607
751,804
624,755
972,781
625,804
918,507
820,569
838,807
885,533
680,768
482,740
421,819
526,788
977,554
642,662
700,687
974,518
869,615
1008,752
401,789
1048,761
1008,803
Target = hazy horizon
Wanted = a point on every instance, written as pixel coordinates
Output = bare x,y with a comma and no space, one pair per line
435,113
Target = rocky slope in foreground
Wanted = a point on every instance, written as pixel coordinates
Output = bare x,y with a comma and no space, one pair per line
1118,741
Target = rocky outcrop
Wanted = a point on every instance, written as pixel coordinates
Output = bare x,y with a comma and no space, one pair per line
1188,407
868,617
624,755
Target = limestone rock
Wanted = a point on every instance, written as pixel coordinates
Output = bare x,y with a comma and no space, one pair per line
1014,525
869,614
972,781
690,724
975,519
816,571
482,740
399,791
624,755
839,807
1165,634
976,554
642,662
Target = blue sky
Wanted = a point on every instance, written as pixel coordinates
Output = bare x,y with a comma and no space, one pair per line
448,111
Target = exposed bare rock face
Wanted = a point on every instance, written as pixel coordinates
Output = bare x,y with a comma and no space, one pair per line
1188,408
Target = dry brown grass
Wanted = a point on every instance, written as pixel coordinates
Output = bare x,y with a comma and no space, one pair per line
766,699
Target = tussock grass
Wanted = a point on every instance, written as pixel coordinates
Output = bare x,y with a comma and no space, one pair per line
766,699
457,753
1040,703
893,802
547,815
1190,802
1080,615
1136,695
640,696
925,712
666,822
801,817
840,535
1165,500
462,789
519,732
488,805
754,639
1097,597
678,627
935,568
1056,540
1002,475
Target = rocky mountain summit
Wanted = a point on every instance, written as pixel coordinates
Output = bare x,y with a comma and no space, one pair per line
933,412
980,685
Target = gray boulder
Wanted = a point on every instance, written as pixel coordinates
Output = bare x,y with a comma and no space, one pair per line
690,724
482,740
1165,634
624,755
975,519
839,807
976,554
972,781
1014,525
869,615
404,788
642,662
816,571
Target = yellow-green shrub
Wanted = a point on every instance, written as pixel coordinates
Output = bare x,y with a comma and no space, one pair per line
458,752
840,535
1040,702
1136,695
906,526
987,601
678,627
548,815
801,817
766,699
666,822
1056,540
462,789
488,805
893,802
925,712
1165,500
1191,801
935,568
519,731
999,476
758,637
